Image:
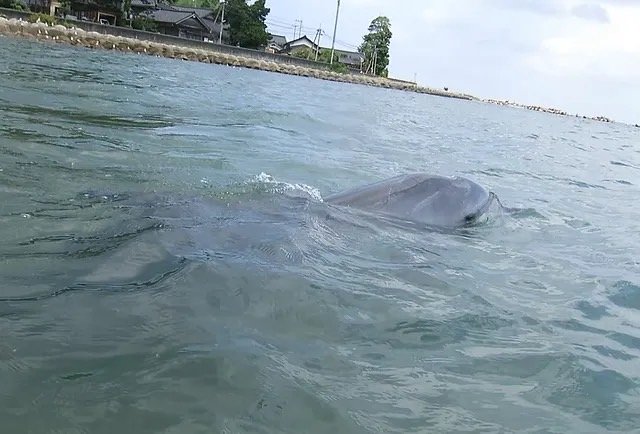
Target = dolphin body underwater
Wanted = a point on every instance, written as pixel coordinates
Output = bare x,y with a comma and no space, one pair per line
448,202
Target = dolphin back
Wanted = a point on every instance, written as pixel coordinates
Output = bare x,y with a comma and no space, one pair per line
429,199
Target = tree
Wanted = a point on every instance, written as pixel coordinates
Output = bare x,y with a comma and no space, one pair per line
324,55
375,46
144,23
13,4
246,23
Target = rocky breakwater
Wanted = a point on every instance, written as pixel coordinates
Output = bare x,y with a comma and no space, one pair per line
528,107
76,36
544,109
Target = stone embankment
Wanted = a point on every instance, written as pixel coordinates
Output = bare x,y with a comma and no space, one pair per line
544,109
79,37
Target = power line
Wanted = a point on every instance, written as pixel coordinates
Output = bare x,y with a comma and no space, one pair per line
298,29
278,20
282,23
289,26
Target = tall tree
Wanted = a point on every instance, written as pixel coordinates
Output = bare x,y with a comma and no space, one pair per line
246,23
375,46
210,4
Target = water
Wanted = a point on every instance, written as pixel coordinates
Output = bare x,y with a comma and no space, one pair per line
168,265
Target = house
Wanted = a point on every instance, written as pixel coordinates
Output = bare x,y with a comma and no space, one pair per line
182,24
140,6
301,43
100,11
353,60
193,23
276,43
45,6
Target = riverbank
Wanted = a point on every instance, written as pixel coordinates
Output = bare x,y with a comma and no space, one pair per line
94,40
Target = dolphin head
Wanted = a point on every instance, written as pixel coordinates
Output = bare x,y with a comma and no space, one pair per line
422,198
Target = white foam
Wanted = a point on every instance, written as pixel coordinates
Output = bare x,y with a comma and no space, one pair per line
281,187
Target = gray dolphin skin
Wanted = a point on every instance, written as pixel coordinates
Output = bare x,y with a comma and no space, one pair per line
419,197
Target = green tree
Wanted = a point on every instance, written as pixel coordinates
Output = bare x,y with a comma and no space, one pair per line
324,56
13,4
246,23
375,46
144,23
66,6
209,4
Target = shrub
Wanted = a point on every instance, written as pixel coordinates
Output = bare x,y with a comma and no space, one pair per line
13,4
339,67
44,18
144,23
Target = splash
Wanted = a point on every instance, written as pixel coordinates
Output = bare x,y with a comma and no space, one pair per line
284,187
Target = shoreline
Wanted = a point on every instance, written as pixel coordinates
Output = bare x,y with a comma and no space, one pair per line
553,111
78,37
18,27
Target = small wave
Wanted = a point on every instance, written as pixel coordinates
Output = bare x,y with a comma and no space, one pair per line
283,187
620,163
618,181
626,294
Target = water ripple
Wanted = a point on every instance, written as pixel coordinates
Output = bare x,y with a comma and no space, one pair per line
168,257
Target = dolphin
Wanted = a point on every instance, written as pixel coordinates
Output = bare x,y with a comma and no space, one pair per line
439,201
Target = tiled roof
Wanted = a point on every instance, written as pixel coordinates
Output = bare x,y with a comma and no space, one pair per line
144,3
277,39
164,16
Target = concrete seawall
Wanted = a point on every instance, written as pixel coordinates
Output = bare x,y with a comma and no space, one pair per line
97,36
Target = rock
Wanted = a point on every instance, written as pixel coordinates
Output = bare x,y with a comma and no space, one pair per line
92,39
4,25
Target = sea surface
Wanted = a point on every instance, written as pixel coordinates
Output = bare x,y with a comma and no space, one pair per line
168,264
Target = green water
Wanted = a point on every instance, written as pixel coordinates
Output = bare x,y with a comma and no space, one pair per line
168,265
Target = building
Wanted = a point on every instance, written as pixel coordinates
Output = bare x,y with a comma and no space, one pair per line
185,22
276,43
45,7
141,6
86,10
182,24
296,45
353,60
103,12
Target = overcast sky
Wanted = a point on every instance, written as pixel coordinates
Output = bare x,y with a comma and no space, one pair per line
579,55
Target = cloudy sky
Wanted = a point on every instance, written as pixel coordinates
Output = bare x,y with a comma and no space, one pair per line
579,55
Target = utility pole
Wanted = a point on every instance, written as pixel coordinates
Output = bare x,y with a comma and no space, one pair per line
221,22
375,62
317,37
372,61
299,30
335,30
